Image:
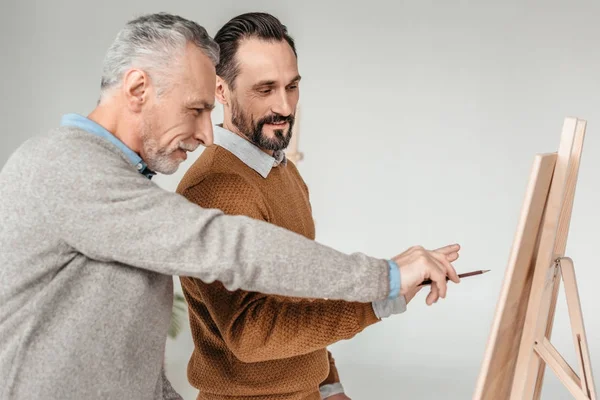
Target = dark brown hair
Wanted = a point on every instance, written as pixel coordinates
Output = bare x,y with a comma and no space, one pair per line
259,25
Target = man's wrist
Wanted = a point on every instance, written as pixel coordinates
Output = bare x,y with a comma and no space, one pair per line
395,280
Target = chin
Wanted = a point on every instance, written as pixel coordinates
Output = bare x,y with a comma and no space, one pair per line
166,171
167,167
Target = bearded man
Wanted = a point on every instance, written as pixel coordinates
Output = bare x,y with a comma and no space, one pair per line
250,344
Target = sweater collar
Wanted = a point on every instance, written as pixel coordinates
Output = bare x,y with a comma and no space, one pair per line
247,152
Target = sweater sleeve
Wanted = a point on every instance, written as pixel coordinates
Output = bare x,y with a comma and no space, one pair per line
101,207
258,327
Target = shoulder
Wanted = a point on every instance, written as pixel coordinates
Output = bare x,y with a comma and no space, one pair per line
213,160
211,183
218,184
218,167
72,168
228,192
46,147
66,153
75,143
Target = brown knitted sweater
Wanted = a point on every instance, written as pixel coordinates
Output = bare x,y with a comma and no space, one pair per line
252,345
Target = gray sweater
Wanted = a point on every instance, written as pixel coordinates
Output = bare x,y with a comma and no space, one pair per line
87,249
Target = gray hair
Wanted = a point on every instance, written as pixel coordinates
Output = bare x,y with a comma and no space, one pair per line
151,43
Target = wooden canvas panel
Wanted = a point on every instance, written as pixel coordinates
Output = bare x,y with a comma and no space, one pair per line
497,370
546,276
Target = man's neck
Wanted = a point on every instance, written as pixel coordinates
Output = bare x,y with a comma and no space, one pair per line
109,118
230,127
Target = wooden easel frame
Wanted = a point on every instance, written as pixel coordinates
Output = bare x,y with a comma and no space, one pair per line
292,152
519,344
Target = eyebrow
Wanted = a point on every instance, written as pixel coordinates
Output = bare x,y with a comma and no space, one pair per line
271,82
202,104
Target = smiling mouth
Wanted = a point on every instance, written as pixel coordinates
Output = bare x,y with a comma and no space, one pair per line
183,153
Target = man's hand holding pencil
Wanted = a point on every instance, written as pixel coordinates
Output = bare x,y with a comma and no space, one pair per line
418,265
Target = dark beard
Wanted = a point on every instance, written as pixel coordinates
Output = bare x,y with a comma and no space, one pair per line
254,130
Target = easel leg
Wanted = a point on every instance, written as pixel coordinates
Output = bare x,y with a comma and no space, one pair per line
540,376
579,336
551,357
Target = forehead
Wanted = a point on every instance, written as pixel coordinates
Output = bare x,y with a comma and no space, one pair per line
198,76
266,60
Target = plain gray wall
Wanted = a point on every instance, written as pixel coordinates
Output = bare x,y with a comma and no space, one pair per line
419,125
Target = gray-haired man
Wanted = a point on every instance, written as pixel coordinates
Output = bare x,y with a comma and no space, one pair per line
89,242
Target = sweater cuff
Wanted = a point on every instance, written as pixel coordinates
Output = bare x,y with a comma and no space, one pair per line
331,389
365,315
387,308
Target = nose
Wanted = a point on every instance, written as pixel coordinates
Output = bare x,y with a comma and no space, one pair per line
204,129
283,105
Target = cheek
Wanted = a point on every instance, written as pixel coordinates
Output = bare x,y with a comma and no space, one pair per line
294,96
181,129
189,125
256,108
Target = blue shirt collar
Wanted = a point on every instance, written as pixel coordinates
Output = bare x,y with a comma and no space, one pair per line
78,121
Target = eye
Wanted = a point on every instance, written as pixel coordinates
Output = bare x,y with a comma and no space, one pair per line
264,91
293,87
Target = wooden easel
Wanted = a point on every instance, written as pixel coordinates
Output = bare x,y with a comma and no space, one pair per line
292,152
519,345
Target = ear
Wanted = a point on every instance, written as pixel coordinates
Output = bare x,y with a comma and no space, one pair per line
136,89
222,92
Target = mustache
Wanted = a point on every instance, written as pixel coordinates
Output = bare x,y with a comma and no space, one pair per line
187,147
276,118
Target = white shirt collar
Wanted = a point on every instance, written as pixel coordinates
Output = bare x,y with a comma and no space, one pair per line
247,152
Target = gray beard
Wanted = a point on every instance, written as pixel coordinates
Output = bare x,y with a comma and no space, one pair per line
158,160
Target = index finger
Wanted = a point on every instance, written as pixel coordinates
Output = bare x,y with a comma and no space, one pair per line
450,271
452,248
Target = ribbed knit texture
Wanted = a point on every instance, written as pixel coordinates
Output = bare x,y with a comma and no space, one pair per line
252,344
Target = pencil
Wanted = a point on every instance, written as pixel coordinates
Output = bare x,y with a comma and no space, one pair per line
464,275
